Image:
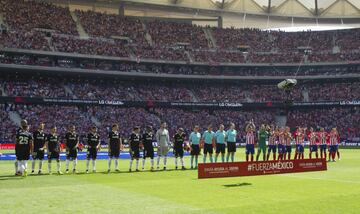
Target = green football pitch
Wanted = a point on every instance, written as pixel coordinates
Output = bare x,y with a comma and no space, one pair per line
334,191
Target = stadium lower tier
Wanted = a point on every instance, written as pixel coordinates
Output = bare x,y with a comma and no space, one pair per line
346,119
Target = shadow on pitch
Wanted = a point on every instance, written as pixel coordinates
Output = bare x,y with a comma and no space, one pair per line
237,185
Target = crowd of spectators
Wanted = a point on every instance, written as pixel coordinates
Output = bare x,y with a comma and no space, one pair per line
7,128
33,40
34,87
346,120
167,33
140,90
32,24
187,119
28,15
60,116
184,69
92,46
110,26
126,118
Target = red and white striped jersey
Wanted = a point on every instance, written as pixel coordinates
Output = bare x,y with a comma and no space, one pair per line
312,138
272,138
299,138
334,139
250,138
322,137
282,138
287,139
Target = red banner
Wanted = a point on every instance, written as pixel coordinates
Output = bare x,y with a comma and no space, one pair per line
234,169
7,145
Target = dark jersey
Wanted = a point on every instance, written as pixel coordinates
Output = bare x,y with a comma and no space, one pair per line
39,140
147,139
114,138
179,139
53,143
23,140
134,139
93,140
71,140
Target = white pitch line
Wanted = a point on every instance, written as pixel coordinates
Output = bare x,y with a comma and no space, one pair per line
336,180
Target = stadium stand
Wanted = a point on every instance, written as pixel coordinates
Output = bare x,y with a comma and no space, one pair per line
132,45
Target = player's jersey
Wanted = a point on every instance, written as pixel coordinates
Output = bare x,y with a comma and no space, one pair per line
39,140
71,140
162,137
147,139
231,135
23,140
287,140
334,139
322,138
53,143
250,138
195,138
179,139
299,138
272,139
282,138
208,136
93,140
114,140
312,138
263,135
134,139
220,136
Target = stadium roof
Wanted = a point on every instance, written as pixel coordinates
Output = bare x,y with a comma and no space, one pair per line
293,8
284,8
263,14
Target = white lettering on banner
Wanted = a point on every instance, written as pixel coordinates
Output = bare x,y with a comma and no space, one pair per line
110,102
354,102
222,169
270,166
230,104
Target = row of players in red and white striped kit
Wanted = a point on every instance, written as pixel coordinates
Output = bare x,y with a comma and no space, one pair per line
279,141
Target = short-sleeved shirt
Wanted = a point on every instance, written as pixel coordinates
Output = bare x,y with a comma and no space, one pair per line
147,138
39,139
195,138
220,136
23,139
93,139
71,140
53,143
134,139
231,135
179,138
114,139
208,136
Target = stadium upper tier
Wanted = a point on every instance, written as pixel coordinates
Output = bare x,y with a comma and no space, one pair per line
42,26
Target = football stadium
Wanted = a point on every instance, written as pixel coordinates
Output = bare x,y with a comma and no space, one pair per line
180,106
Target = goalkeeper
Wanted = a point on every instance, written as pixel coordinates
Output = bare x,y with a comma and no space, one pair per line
262,136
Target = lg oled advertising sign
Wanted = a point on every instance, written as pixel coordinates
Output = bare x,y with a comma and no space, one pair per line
218,170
